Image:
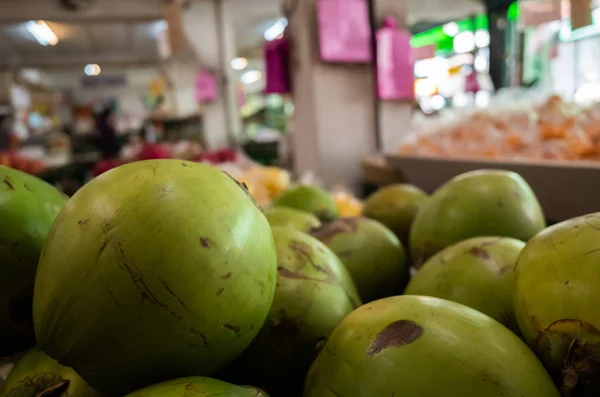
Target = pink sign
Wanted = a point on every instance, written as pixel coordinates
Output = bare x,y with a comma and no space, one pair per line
344,31
206,87
537,12
277,69
395,68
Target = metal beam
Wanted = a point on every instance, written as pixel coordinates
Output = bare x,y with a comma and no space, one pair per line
17,11
78,62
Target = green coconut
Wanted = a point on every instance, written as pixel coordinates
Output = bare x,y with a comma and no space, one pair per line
309,199
289,217
556,302
477,203
396,207
314,293
478,272
372,254
36,375
28,207
425,347
155,270
197,387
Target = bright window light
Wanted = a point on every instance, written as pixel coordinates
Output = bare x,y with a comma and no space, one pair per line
482,38
239,63
276,29
92,69
464,42
42,33
251,77
450,29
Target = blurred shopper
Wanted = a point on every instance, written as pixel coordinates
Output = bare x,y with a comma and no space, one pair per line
108,143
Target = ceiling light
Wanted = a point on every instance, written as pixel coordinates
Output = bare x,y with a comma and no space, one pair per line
250,77
92,69
464,42
42,33
450,29
239,63
276,30
482,38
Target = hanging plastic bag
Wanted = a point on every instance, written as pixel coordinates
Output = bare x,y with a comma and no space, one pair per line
206,87
395,70
344,31
277,68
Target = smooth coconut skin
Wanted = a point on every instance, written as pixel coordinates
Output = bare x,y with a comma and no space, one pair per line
557,302
28,206
197,387
396,207
426,347
314,293
36,374
292,218
372,254
154,270
477,203
478,272
310,199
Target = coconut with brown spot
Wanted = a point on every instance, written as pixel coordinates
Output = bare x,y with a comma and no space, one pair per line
314,293
478,272
197,387
372,254
37,375
28,206
556,302
154,271
426,347
474,204
292,218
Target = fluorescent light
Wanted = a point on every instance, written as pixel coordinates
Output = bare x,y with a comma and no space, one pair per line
92,69
251,76
239,63
42,33
276,29
464,42
482,38
450,29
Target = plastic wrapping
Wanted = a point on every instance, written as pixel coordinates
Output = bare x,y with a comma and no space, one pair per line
520,124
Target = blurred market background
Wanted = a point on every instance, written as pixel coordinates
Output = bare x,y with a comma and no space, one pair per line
313,88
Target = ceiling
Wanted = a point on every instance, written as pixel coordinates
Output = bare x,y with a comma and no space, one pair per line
123,32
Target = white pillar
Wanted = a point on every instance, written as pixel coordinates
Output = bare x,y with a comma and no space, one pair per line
334,120
210,33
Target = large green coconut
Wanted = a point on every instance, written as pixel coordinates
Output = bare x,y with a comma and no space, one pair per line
396,207
372,254
309,199
557,293
289,217
478,272
314,293
155,270
425,347
477,203
37,375
28,207
197,387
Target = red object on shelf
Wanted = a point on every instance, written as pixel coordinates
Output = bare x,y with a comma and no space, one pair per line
154,151
218,157
105,165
